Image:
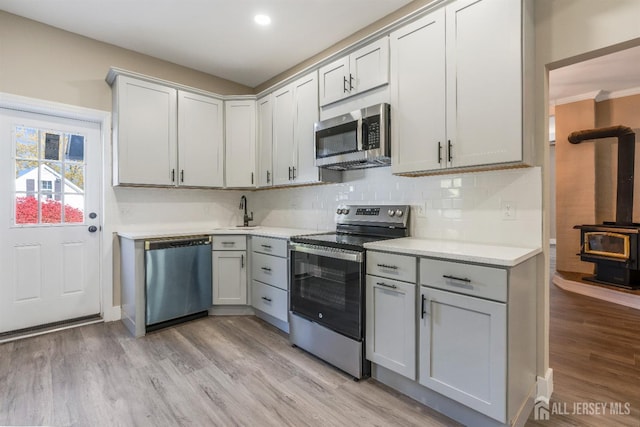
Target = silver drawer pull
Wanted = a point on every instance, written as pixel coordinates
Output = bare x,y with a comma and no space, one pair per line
228,243
392,267
266,246
266,299
385,285
446,276
265,268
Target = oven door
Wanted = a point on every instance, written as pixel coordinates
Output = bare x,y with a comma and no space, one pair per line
327,287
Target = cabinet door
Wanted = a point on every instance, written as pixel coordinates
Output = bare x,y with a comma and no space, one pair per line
369,66
265,142
307,114
229,277
240,143
484,108
463,353
146,133
418,93
200,140
283,154
391,339
334,81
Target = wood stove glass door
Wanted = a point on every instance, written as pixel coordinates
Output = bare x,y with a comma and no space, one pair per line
606,244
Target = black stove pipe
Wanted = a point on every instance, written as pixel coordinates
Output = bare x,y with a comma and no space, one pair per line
626,155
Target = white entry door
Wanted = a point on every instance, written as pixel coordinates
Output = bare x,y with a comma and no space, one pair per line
50,169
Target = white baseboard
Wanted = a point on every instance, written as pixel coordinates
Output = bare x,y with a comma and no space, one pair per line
111,314
545,387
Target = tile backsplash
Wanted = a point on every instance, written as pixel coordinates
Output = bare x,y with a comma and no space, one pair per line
493,207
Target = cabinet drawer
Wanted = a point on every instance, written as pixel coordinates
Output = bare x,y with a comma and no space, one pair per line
267,245
269,269
270,300
229,243
399,267
475,280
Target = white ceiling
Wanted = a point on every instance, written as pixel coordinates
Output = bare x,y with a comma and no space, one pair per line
616,72
217,37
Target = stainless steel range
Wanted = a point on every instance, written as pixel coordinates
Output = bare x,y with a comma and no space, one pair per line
327,310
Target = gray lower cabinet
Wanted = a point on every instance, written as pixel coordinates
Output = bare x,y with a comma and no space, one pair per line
476,341
464,331
390,312
270,280
229,270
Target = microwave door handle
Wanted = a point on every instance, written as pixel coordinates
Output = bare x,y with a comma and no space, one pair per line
365,135
359,132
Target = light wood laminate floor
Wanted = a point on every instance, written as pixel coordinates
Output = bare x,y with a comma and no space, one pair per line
215,371
594,351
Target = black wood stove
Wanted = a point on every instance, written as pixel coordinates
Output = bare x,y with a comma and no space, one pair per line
613,246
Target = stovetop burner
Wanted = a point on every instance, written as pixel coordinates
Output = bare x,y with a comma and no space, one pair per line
339,240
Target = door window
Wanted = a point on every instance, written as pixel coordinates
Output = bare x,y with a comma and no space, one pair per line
49,177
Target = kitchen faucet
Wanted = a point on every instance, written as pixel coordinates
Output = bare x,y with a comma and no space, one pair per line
243,205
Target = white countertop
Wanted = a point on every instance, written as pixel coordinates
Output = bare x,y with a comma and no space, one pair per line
277,232
505,256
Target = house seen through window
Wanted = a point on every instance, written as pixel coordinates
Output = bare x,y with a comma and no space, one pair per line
49,176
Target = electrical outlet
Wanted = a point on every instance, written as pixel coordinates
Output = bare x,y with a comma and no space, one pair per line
508,209
421,210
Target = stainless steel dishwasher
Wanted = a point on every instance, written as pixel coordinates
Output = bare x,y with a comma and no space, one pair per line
177,280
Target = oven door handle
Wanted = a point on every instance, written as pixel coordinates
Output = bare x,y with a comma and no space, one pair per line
329,253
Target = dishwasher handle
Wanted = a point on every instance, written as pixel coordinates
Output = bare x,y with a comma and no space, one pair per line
177,242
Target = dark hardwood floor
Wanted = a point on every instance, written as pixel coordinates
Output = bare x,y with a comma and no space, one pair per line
594,351
216,371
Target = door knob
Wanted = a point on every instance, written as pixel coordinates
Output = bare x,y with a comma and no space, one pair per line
93,229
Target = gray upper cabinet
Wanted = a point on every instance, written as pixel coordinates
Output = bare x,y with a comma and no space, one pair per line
240,143
364,69
145,138
457,88
166,137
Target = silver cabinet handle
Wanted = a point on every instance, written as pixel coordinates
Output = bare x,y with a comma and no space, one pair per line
392,267
173,175
439,152
294,172
182,175
228,243
386,285
461,279
268,177
241,261
423,310
251,178
449,150
265,268
344,84
266,246
351,82
266,299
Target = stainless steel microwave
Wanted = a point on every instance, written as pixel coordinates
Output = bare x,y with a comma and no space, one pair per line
356,140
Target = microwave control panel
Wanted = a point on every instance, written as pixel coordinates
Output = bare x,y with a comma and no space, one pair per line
372,129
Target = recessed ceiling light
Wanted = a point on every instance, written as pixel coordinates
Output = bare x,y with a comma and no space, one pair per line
262,19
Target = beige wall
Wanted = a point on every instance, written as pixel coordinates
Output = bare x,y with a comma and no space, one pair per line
43,62
575,183
568,31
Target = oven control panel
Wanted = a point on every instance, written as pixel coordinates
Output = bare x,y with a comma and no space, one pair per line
393,215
